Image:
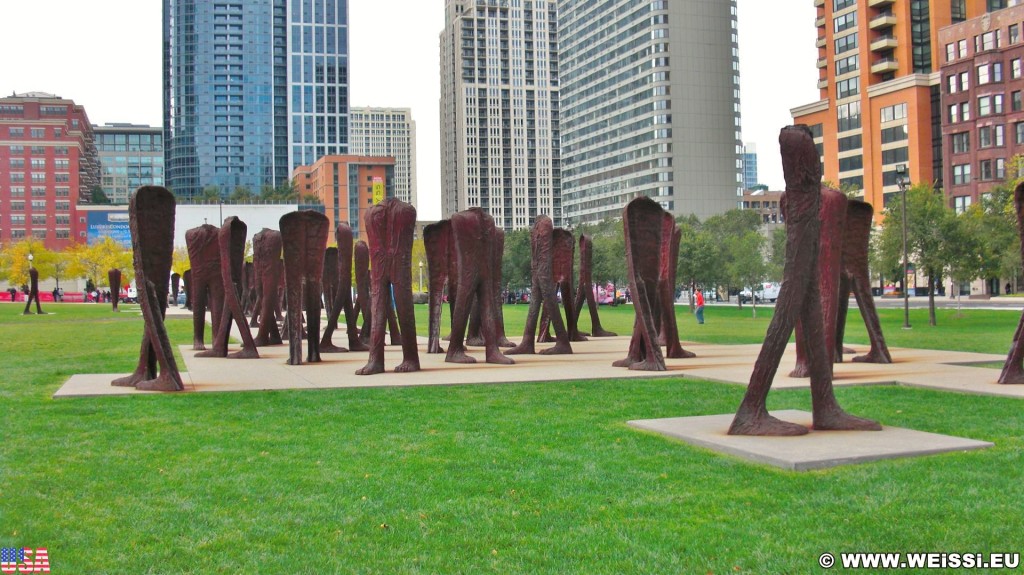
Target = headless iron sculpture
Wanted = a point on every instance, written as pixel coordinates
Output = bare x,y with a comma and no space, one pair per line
799,298
114,281
389,228
1013,368
542,292
585,289
305,237
151,220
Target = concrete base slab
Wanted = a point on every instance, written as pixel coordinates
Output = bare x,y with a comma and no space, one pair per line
591,360
816,450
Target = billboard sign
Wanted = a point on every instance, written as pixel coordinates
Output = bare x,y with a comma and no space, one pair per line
378,189
101,224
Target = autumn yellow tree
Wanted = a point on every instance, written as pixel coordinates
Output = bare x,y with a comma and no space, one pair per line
180,262
92,261
14,261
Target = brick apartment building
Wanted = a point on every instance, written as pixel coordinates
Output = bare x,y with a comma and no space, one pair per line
345,185
982,102
880,90
48,164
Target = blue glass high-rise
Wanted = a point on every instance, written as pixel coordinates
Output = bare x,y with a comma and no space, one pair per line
251,90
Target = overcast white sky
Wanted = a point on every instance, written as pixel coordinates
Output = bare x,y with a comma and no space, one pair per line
106,56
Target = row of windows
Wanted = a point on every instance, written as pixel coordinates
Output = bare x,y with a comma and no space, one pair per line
39,150
34,133
988,170
988,105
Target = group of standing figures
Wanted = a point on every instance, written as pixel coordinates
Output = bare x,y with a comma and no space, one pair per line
293,272
826,261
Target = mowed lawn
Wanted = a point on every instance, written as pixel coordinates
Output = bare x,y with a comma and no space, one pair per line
523,478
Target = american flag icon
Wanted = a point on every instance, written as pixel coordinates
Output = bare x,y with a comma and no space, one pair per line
24,560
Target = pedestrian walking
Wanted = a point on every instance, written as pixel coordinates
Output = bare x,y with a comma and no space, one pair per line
700,307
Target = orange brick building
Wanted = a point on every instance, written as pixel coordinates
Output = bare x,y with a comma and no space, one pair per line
880,90
346,185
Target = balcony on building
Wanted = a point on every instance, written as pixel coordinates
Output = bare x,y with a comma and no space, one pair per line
822,62
819,22
822,83
819,3
884,66
879,3
882,21
883,43
821,41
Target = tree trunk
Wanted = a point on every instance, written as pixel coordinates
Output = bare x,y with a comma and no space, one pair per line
931,297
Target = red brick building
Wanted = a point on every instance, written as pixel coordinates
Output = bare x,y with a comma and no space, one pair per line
48,164
345,185
982,102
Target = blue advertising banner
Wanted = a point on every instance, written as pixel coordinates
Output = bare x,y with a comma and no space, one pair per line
109,223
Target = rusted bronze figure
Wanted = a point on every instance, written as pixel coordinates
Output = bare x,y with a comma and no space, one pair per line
474,335
266,255
652,249
389,228
206,288
231,241
175,283
114,281
856,277
342,300
361,258
1013,368
563,255
151,220
842,259
473,243
585,289
33,292
305,237
542,292
799,298
437,242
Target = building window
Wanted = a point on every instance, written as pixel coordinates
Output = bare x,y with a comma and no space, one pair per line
961,174
993,5
958,10
38,133
16,132
895,156
846,43
961,203
954,113
950,52
965,111
984,106
985,169
961,142
847,65
1018,129
847,88
848,116
1014,33
896,112
894,134
983,74
838,5
844,22
851,163
997,71
1016,104
965,81
850,143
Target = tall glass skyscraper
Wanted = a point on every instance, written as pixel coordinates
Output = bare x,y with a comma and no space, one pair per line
649,106
252,89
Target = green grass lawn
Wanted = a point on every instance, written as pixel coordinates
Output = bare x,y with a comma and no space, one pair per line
525,478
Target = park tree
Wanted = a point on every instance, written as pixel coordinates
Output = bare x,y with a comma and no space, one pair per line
241,195
14,263
746,262
777,255
721,227
993,222
697,255
180,262
515,261
964,252
210,193
98,196
92,261
927,244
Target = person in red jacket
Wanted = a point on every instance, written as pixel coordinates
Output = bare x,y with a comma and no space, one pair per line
700,307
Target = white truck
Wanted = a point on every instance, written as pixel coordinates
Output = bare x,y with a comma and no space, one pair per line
767,291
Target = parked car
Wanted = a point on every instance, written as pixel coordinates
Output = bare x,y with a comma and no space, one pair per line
767,291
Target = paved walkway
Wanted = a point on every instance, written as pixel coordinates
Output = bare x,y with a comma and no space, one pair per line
592,360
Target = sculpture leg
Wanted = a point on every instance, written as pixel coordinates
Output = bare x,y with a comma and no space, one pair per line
312,296
333,314
1013,367
200,301
159,344
437,281
378,305
595,321
406,313
393,329
526,346
844,309
827,413
879,352
460,318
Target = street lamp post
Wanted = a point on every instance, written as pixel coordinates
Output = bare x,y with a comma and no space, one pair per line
901,181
